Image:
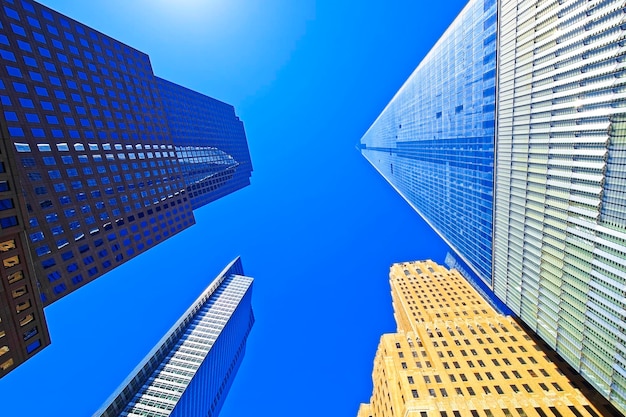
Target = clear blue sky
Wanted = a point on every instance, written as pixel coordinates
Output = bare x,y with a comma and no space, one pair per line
317,229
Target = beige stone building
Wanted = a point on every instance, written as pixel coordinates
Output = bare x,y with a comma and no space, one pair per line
454,355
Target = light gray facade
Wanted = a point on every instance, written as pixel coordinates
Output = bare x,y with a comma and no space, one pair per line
560,200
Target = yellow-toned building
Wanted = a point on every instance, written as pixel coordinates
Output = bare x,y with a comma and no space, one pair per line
454,355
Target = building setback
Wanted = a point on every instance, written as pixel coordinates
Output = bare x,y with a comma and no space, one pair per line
542,194
190,370
454,355
100,160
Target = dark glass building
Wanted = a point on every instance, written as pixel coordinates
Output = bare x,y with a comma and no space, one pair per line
190,370
99,161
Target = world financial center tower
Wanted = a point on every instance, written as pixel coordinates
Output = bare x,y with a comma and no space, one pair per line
190,370
100,160
509,139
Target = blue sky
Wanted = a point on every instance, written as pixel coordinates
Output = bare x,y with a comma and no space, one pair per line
317,229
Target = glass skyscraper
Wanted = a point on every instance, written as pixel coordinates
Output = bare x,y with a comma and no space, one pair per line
100,160
434,142
190,370
536,207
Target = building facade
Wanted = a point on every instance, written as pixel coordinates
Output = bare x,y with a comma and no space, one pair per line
189,372
555,200
454,355
434,141
560,196
100,162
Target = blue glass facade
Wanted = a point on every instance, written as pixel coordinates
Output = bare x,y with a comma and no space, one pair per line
210,143
189,372
434,142
108,159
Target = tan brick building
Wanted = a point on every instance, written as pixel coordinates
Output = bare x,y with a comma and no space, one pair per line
454,355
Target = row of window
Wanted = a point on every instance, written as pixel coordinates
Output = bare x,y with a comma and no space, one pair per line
127,246
521,412
64,147
139,61
487,390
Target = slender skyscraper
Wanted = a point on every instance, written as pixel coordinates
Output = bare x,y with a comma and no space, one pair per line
189,372
509,139
454,355
434,142
100,160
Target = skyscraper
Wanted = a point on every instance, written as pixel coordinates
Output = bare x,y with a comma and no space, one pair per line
543,190
99,161
560,196
189,372
454,355
434,141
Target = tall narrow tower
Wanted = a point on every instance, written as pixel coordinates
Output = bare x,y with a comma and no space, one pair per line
190,370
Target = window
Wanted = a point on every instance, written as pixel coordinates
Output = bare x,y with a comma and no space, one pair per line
11,262
15,277
30,333
7,364
33,346
7,245
22,306
27,319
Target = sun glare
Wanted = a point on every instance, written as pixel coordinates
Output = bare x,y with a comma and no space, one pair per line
186,8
